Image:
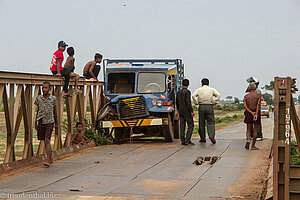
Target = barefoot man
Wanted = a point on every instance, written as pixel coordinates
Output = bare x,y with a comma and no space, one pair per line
252,117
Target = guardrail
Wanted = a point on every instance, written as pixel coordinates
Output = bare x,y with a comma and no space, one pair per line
18,92
286,178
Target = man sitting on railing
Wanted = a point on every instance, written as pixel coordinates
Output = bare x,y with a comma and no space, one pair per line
91,69
68,72
58,58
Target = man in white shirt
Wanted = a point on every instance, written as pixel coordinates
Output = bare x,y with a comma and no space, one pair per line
204,98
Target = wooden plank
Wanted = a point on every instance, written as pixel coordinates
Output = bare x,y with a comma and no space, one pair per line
70,122
80,100
57,140
275,140
9,155
98,100
1,91
11,104
92,108
288,140
86,98
27,116
17,103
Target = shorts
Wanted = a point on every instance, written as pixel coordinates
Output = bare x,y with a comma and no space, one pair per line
44,130
249,118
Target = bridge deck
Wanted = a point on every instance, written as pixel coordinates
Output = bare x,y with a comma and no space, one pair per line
155,171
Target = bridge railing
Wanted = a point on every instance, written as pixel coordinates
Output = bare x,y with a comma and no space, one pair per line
18,91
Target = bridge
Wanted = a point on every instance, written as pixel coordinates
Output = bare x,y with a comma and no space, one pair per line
142,169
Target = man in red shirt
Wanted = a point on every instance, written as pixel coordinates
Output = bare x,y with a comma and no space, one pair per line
58,58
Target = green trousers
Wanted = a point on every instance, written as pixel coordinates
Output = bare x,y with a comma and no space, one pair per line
206,114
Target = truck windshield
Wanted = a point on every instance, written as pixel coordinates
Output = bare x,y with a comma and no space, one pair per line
151,82
120,83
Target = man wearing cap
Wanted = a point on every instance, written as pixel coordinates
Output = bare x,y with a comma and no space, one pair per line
204,98
58,58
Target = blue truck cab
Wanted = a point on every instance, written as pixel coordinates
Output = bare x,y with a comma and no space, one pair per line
140,97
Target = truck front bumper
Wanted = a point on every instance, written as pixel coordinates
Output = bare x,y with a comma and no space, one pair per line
134,123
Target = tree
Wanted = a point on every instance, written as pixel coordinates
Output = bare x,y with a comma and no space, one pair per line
236,100
229,97
268,98
269,87
299,99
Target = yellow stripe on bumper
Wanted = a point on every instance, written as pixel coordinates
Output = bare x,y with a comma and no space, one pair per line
134,123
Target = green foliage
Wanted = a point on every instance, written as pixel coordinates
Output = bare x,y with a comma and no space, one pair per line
294,154
236,100
240,106
269,87
218,107
228,118
194,108
89,131
268,98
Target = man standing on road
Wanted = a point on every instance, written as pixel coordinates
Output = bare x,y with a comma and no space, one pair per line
186,113
252,117
46,118
204,98
257,90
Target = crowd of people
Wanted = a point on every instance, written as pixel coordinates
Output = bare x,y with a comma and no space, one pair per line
90,71
205,98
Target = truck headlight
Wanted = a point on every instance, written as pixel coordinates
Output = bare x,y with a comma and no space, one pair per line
159,103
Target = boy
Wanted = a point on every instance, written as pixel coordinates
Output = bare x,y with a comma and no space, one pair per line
68,72
186,113
57,59
78,137
46,118
252,117
91,69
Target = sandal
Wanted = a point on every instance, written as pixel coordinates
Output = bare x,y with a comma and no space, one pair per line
247,145
46,164
254,148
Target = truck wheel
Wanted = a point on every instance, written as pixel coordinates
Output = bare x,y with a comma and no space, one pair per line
118,134
168,130
176,129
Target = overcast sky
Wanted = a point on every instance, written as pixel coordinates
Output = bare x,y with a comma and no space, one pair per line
226,41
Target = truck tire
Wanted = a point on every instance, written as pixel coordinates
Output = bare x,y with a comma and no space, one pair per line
168,130
176,129
118,134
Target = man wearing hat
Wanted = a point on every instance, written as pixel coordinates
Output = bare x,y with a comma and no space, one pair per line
58,58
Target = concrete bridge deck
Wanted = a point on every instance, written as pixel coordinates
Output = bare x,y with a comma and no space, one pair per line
154,170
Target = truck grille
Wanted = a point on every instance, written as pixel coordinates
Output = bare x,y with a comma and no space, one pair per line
132,108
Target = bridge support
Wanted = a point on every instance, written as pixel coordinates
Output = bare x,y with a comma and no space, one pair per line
18,92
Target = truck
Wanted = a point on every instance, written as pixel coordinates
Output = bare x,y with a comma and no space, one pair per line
140,96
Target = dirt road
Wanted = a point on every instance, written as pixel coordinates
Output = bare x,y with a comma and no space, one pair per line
155,171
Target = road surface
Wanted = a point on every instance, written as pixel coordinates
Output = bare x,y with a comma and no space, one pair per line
155,170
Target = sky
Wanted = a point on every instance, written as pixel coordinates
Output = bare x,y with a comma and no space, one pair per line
225,41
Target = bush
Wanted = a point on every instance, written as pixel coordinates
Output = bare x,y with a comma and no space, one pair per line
89,132
227,119
294,154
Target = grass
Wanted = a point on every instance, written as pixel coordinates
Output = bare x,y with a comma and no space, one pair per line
294,154
223,120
